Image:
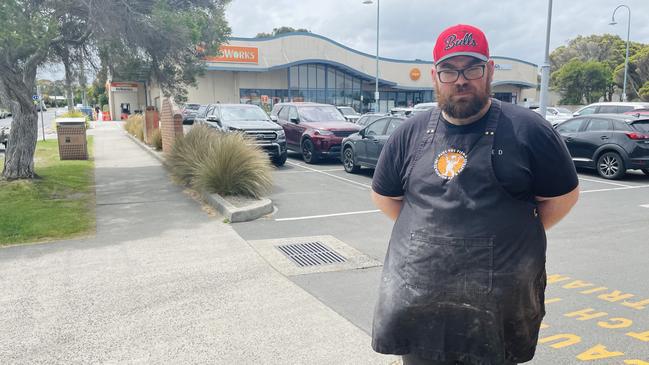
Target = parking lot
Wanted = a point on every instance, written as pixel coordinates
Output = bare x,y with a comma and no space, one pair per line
597,298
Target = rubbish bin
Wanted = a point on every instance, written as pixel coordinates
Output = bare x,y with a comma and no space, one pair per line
72,138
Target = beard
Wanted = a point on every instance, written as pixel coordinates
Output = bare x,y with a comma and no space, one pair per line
467,105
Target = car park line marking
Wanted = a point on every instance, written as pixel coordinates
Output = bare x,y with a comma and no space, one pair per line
645,205
307,171
332,175
604,182
612,189
327,215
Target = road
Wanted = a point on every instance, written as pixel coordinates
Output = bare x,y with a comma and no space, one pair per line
47,124
597,298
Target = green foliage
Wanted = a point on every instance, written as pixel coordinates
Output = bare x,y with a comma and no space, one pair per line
156,139
134,125
644,92
638,73
281,30
578,81
60,204
222,163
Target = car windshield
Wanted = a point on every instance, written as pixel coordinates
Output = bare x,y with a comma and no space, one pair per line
234,113
320,114
564,111
642,126
348,110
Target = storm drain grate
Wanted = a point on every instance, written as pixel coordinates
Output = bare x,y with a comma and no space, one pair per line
310,254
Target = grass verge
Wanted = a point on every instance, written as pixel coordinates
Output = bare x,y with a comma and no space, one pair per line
59,204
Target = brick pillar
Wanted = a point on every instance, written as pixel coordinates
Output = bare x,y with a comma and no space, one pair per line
171,125
151,123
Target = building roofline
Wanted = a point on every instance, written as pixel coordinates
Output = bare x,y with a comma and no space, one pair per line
309,34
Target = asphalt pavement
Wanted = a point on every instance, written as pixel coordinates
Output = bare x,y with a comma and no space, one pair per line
161,282
597,299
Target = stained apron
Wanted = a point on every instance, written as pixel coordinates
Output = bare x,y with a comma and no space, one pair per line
464,275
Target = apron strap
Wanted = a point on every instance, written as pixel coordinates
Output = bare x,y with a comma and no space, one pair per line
426,139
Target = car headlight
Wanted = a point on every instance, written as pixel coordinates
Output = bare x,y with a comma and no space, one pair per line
323,132
280,133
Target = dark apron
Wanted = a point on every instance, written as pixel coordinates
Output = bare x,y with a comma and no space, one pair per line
464,275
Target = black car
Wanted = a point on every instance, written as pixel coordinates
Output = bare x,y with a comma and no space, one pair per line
363,149
251,120
609,143
189,113
366,119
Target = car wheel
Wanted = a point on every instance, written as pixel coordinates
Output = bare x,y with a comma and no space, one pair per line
348,161
610,166
308,152
280,160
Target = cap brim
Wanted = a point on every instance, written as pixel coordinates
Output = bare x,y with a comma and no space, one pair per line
479,56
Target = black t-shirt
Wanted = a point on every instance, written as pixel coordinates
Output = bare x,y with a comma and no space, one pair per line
529,157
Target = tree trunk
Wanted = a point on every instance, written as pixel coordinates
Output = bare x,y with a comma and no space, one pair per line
17,92
67,64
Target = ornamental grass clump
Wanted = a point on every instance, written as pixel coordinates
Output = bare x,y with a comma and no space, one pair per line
222,163
135,126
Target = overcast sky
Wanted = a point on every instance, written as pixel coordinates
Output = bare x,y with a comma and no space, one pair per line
408,28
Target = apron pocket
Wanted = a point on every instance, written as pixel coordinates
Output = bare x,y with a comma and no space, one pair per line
449,265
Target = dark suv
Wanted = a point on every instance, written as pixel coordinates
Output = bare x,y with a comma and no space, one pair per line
251,120
609,143
315,130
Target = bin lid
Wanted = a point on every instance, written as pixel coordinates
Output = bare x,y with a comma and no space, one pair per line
71,122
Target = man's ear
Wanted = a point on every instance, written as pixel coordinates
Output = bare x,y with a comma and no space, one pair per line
491,67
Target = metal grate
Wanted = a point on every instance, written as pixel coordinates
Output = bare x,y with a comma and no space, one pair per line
310,254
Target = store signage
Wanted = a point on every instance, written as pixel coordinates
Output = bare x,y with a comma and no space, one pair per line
124,86
502,66
236,54
415,74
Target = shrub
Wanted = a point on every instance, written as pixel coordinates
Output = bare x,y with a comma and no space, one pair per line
135,126
222,163
156,139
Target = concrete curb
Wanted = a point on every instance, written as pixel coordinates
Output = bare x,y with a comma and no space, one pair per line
254,210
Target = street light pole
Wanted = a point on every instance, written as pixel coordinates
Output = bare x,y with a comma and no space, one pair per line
376,84
545,69
626,58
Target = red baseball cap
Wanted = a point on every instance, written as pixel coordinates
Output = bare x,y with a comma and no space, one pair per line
461,40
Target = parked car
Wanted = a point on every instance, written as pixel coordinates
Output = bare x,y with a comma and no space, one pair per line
363,149
366,119
189,113
638,112
349,113
38,107
4,114
315,130
251,120
610,108
404,112
555,114
422,108
609,143
4,136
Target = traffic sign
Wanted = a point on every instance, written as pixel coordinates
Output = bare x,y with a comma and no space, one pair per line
35,97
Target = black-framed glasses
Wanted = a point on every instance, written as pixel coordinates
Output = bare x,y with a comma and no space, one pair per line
470,73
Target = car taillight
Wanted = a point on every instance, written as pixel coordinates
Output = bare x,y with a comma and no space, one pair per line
636,136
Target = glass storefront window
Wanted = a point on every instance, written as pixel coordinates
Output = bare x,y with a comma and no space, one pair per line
304,76
320,71
331,78
293,77
312,77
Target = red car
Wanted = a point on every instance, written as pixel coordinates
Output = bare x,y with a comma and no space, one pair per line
314,130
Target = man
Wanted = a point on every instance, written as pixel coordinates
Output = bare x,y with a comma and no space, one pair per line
472,187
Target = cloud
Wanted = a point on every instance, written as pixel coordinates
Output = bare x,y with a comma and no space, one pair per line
515,28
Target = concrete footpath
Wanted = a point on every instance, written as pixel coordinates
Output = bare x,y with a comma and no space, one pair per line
161,282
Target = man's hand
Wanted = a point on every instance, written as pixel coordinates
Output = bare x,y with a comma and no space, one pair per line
389,205
552,210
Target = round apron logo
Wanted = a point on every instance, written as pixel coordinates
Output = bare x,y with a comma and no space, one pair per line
450,163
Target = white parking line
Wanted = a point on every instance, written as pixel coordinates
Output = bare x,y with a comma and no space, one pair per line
604,182
308,171
330,175
612,189
645,206
327,215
